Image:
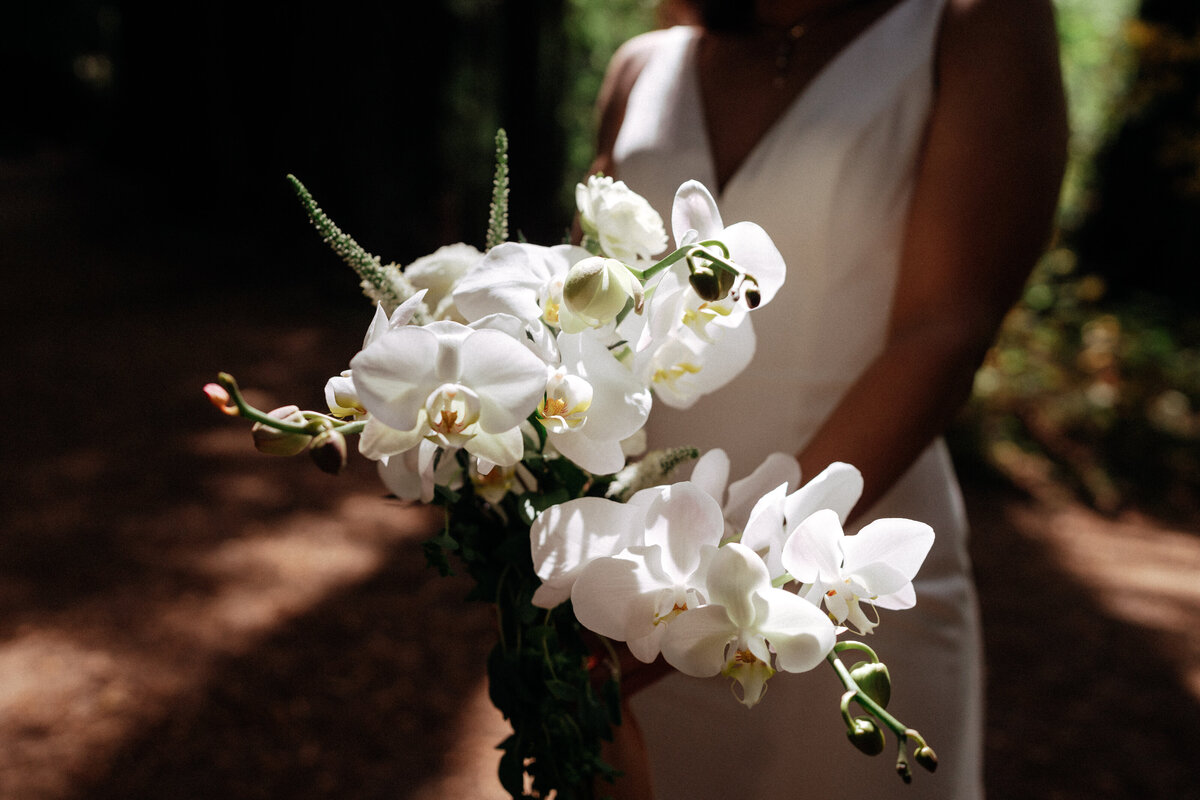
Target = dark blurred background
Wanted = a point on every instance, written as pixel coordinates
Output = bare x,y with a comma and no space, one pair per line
181,617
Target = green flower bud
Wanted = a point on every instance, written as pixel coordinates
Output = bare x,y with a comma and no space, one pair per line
597,289
874,680
328,451
926,757
711,284
275,442
866,736
750,291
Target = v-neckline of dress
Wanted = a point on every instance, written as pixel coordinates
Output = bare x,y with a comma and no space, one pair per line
791,109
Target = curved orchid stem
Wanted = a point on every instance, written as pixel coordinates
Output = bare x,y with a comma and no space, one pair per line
316,423
855,694
688,252
841,647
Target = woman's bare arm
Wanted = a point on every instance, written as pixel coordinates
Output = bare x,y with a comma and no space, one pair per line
981,213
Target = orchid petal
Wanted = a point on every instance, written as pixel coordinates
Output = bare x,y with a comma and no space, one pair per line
764,531
696,640
798,631
378,441
619,596
734,575
836,487
682,520
753,252
501,449
695,209
508,378
566,536
775,469
813,551
392,375
900,543
597,456
711,473
506,280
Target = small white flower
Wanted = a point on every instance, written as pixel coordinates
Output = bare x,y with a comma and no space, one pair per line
635,595
592,403
876,566
454,385
438,272
776,516
623,222
747,629
524,280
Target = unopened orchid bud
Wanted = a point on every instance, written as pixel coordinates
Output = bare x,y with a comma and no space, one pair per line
597,289
711,284
925,756
275,442
866,736
219,397
874,680
328,451
751,292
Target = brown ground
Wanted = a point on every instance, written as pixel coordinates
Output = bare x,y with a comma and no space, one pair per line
181,617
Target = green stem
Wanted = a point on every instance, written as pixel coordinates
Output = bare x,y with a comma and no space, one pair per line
842,647
248,411
870,706
316,422
686,252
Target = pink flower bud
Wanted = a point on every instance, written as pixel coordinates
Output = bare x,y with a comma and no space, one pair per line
220,399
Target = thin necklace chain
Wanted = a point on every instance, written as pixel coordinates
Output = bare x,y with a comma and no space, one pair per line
792,34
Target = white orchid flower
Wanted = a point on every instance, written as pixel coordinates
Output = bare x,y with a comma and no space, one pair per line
622,222
592,403
524,280
412,474
748,629
875,566
340,394
438,273
776,515
682,368
711,472
695,218
456,386
635,595
568,536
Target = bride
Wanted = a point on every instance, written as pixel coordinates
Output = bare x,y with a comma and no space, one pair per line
905,156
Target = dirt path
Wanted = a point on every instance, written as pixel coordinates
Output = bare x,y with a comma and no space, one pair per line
183,618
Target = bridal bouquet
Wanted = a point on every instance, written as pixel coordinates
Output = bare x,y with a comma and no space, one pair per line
510,386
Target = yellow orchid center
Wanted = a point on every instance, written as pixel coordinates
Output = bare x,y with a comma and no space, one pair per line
451,409
676,610
669,375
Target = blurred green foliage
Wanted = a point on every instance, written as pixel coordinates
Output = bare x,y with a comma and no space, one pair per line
1086,388
595,30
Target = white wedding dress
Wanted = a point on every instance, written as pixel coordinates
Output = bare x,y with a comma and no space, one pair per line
830,183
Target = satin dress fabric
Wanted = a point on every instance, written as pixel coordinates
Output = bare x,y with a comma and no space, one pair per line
830,182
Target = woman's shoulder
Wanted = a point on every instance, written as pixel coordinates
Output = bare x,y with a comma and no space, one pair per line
629,59
1002,22
623,70
1002,45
